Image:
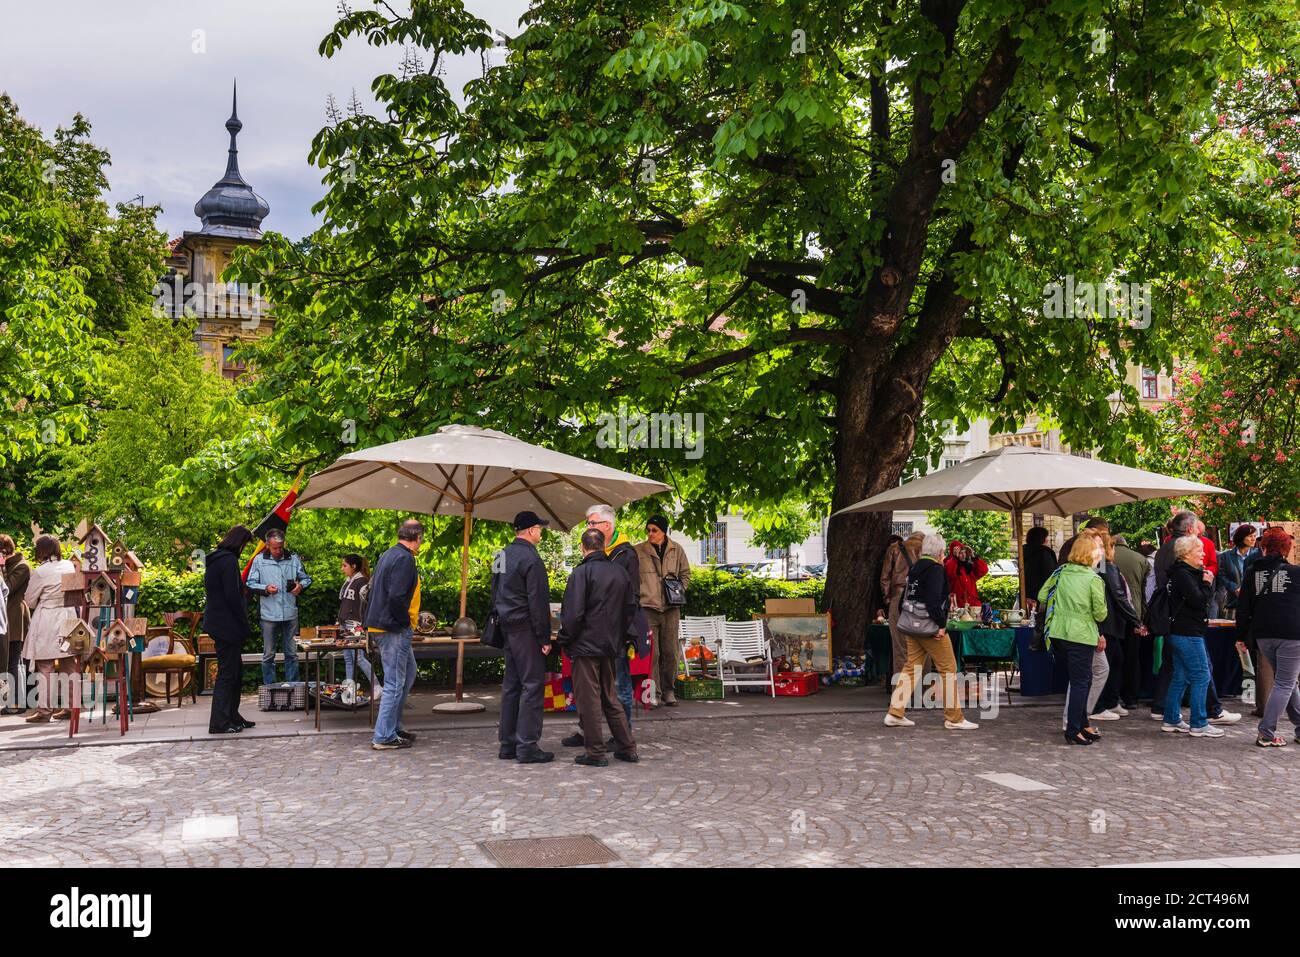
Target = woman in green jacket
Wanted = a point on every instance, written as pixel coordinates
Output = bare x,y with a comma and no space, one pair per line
1072,628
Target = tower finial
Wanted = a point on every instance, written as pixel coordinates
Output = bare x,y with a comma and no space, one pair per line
233,126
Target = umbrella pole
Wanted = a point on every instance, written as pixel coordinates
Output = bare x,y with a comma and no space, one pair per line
459,705
1016,517
464,552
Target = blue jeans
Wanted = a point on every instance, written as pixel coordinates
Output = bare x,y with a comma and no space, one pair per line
350,658
623,682
398,659
1191,671
273,633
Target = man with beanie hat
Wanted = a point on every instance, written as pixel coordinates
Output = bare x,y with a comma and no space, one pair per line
662,558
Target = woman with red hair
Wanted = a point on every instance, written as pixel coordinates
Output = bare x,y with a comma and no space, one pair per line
1268,616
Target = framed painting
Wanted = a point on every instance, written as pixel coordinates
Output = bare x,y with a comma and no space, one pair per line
803,640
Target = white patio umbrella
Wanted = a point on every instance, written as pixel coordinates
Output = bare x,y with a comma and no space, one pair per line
1018,479
461,469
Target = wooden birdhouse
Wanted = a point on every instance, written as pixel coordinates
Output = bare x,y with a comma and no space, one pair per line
124,558
122,632
77,636
96,550
100,590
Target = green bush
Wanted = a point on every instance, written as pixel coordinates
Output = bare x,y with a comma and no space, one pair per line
999,592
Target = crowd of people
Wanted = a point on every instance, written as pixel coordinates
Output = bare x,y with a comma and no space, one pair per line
1096,600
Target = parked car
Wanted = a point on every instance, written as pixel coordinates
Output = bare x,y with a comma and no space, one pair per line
1003,568
816,571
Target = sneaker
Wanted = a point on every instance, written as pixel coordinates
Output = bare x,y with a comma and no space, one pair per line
587,761
1267,741
892,722
962,725
670,699
575,740
1225,717
1120,710
1157,716
1209,731
1181,727
406,735
536,757
392,744
1106,715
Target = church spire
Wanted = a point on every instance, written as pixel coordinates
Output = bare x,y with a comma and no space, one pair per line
230,207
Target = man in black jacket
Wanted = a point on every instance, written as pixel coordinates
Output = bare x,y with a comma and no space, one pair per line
391,614
597,617
521,598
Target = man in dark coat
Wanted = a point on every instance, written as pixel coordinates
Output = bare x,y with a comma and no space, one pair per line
392,612
597,616
16,575
521,598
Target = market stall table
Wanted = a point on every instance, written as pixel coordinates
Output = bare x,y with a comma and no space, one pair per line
315,651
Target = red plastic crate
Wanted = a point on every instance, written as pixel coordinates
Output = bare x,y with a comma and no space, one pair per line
797,683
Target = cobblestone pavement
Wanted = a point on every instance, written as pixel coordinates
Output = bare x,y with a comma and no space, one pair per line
800,790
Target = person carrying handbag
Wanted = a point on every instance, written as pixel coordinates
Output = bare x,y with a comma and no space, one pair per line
922,620
665,576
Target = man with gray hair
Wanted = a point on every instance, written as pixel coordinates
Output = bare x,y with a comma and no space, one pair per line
1183,524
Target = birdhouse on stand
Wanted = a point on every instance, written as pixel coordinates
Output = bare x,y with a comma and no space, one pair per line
120,634
95,550
76,637
100,591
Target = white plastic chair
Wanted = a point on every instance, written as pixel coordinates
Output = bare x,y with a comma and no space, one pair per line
744,645
708,631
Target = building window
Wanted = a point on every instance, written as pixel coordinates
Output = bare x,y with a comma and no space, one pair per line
229,367
771,554
901,529
951,463
1150,384
713,550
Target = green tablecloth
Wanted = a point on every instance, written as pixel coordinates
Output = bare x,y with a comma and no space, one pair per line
997,643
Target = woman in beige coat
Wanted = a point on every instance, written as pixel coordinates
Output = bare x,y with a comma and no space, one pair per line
43,649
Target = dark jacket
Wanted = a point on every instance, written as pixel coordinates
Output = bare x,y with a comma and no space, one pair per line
523,597
350,598
1134,569
392,587
1120,613
1189,600
1232,572
1040,562
17,573
598,611
625,557
927,583
225,609
1269,601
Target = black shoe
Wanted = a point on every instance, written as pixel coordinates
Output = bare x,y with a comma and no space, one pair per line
575,740
588,761
507,753
392,744
535,757
631,757
406,736
611,744
245,724
6,712
1080,739
228,729
1090,735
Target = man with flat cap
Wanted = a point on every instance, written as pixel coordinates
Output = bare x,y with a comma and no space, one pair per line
598,621
521,598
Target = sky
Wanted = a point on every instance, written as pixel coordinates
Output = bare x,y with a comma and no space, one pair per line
157,94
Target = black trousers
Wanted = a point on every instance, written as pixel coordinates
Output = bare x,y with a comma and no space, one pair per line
1078,662
15,656
1213,706
1115,659
521,692
225,690
1131,685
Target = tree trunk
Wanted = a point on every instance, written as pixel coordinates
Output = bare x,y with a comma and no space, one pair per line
873,445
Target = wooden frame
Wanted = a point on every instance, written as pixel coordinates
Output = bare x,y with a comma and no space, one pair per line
807,631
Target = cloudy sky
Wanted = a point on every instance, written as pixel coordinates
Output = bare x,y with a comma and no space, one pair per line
157,104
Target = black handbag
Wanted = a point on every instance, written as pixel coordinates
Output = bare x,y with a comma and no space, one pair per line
493,635
674,591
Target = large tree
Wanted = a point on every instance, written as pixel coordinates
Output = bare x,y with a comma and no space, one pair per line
782,216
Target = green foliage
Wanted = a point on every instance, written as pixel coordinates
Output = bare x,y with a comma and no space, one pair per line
1138,520
999,592
988,533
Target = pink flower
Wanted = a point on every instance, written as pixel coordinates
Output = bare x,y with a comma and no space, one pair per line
1280,457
